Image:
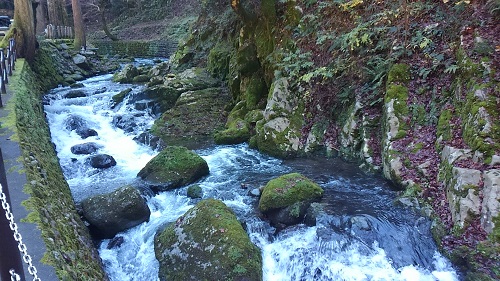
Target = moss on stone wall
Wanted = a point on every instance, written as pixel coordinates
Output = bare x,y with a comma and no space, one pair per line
135,48
70,249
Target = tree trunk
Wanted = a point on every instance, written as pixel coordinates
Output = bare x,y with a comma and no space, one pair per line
78,24
41,17
57,13
102,9
24,29
105,27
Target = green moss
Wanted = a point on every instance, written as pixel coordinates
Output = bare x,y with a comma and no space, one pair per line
399,94
215,242
417,147
194,191
118,98
443,127
238,131
45,66
246,59
141,78
253,116
495,234
175,166
194,119
399,73
475,134
286,190
255,91
219,58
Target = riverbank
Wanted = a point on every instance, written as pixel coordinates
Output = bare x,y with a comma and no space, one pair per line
70,249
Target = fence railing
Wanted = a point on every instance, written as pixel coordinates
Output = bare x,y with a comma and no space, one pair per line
7,65
59,32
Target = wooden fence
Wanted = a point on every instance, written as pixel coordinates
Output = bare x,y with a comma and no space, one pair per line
58,32
7,65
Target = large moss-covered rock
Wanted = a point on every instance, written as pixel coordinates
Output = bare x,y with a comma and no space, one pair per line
114,212
237,132
287,190
207,243
279,132
194,118
169,88
126,75
173,167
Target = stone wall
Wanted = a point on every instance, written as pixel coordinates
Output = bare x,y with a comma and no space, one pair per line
144,49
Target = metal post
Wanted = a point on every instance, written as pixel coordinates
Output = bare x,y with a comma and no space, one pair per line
10,258
13,52
3,77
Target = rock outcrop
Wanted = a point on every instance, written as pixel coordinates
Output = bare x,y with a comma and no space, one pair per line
207,243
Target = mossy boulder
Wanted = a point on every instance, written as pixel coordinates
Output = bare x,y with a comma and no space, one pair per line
237,132
279,132
194,118
118,98
141,78
173,167
114,212
194,191
287,190
126,75
166,93
207,243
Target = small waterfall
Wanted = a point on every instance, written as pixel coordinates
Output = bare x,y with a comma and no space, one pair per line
362,236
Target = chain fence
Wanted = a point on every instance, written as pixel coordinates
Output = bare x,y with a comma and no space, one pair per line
19,239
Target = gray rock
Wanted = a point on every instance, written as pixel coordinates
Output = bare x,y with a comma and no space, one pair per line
81,61
85,148
114,212
491,200
75,94
102,161
463,194
254,192
194,192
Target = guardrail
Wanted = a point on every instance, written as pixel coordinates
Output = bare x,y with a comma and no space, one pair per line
7,65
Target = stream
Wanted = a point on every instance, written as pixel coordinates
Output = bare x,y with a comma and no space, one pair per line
362,236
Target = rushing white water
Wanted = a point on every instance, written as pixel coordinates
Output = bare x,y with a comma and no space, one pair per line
394,243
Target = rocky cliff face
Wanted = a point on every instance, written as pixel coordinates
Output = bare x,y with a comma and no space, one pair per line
411,91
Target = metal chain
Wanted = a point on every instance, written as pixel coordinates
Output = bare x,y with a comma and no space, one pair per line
17,236
14,276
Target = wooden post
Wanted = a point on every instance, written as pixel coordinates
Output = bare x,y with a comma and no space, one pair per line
49,31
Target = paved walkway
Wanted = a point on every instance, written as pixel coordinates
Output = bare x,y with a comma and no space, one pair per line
16,179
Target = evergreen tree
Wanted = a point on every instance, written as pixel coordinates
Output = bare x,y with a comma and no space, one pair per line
24,29
78,24
57,12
